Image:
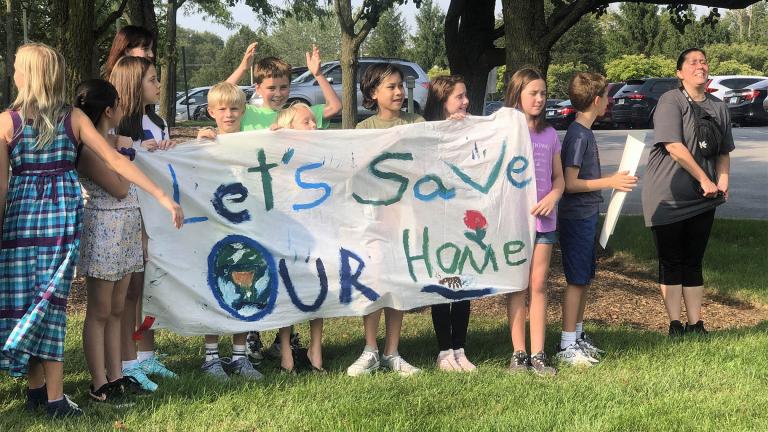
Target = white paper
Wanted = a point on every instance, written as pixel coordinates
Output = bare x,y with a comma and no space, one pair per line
633,151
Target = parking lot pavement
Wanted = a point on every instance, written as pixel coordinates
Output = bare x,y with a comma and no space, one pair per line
749,171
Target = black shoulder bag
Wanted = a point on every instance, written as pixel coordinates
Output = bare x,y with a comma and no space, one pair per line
708,135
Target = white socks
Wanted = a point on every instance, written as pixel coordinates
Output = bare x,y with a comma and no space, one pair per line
579,328
144,355
130,364
211,351
238,352
566,339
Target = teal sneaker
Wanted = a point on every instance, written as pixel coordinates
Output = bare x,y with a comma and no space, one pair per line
141,377
152,366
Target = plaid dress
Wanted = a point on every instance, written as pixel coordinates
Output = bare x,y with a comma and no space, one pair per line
40,243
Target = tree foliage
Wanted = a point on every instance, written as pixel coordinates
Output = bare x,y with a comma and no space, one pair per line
389,37
559,76
639,66
428,43
291,38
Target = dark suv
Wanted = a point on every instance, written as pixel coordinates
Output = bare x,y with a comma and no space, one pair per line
635,103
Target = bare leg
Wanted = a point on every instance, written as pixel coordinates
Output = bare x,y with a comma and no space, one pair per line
97,314
693,296
286,354
54,378
572,301
393,319
35,374
673,299
316,342
147,342
211,339
516,318
582,304
113,330
128,322
371,327
538,296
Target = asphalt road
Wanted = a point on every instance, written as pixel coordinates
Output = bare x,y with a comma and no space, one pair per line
749,171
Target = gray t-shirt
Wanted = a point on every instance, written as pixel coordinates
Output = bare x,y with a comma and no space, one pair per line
670,193
580,150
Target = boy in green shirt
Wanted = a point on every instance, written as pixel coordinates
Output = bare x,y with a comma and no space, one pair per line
271,76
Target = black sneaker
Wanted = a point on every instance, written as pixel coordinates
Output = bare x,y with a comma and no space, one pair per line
539,364
519,362
36,398
130,386
108,393
253,346
676,329
697,328
63,408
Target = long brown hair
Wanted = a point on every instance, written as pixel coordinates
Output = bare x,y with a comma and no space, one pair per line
440,90
127,38
127,77
515,87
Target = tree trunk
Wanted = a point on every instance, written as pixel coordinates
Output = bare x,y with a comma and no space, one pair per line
469,36
524,29
168,77
349,53
10,50
142,13
76,40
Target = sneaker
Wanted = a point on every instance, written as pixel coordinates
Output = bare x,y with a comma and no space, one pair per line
152,366
676,329
274,349
540,365
37,398
63,408
573,355
108,393
130,386
138,374
697,328
245,369
214,368
518,362
586,345
253,346
365,364
447,362
463,361
396,363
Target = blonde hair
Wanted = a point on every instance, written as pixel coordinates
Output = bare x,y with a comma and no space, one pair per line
286,115
226,94
127,77
41,97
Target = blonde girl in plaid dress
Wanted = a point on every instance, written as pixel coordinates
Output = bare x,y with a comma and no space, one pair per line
42,208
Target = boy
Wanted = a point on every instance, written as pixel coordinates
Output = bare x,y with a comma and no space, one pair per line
578,211
226,105
271,76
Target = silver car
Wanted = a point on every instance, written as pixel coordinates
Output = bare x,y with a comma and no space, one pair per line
198,97
304,88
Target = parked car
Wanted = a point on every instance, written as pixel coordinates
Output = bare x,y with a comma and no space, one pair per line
304,88
635,103
718,85
201,111
561,115
748,105
606,120
199,96
492,106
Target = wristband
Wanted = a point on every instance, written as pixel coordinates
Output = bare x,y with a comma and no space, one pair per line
126,151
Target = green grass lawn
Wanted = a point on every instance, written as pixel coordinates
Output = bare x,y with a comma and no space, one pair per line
646,382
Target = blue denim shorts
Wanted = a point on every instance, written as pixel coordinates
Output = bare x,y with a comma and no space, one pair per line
549,237
577,242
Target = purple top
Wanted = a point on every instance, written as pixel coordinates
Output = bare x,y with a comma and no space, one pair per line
545,145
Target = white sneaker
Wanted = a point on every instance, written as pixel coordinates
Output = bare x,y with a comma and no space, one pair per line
447,362
463,361
586,345
395,363
573,355
365,364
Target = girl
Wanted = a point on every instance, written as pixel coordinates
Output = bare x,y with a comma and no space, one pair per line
447,99
136,82
300,116
41,228
382,88
132,41
527,91
110,249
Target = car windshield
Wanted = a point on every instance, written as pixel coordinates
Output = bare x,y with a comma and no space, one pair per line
306,76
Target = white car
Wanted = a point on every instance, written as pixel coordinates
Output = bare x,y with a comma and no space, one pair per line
718,85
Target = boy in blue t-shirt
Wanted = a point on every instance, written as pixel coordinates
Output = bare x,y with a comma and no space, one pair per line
578,211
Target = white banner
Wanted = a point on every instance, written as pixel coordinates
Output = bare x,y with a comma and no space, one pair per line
287,226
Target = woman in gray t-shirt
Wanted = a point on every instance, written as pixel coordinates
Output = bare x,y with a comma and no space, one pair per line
682,188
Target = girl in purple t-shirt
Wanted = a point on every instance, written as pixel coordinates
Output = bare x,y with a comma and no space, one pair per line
527,91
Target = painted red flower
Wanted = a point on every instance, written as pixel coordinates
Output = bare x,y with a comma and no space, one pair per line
475,220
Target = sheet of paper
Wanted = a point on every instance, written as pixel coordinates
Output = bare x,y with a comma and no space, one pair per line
633,150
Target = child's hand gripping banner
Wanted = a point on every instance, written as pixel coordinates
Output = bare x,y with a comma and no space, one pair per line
282,227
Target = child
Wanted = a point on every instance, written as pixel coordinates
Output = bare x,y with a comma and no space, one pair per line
300,116
447,99
226,104
272,77
110,247
578,212
132,41
136,82
527,91
382,88
41,228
